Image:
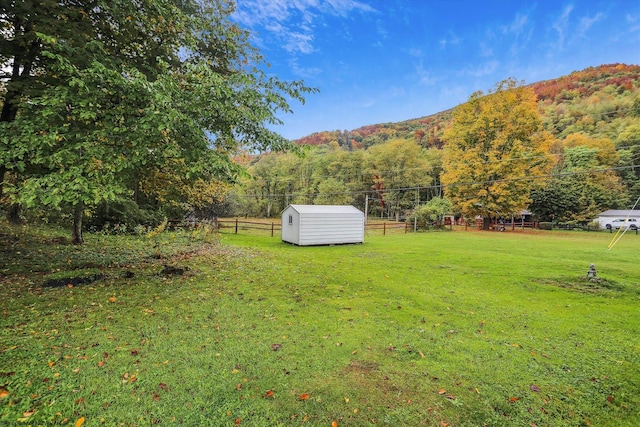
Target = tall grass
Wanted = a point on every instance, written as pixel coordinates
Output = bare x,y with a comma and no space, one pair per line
458,329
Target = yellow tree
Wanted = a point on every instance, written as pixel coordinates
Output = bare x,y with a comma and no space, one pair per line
495,149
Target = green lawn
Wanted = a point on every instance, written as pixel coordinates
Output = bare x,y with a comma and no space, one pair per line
435,329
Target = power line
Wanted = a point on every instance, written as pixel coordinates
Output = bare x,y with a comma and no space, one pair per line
443,186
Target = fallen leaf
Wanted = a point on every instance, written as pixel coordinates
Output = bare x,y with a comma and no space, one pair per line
346,400
444,424
3,392
442,391
101,364
513,399
79,401
28,414
450,397
80,421
334,424
156,397
163,386
51,363
304,396
269,393
534,387
113,299
355,410
610,399
237,421
239,386
276,347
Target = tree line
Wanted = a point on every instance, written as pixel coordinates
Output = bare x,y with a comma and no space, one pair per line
503,153
118,114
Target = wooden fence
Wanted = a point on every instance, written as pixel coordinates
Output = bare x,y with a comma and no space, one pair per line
237,224
375,226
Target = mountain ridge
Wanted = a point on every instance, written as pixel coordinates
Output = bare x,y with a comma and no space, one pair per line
427,130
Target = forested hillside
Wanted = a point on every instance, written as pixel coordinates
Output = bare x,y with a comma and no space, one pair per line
592,116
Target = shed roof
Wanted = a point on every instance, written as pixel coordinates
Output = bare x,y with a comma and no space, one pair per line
326,209
620,212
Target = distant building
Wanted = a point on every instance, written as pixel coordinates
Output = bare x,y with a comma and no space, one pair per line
306,225
606,217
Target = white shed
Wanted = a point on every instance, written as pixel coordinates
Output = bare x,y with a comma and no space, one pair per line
606,217
306,225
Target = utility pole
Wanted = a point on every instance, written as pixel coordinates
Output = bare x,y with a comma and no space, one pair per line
366,208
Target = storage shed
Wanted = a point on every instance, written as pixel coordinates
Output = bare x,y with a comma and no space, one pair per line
306,225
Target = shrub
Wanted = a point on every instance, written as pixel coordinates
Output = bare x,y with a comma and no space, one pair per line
122,216
546,226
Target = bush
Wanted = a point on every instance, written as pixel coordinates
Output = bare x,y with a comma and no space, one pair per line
546,226
122,216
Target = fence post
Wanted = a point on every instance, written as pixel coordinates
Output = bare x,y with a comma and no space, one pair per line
272,229
236,225
384,228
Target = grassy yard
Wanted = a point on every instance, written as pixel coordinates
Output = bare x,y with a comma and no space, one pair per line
435,329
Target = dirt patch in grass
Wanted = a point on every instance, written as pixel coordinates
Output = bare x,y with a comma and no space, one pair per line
72,281
593,285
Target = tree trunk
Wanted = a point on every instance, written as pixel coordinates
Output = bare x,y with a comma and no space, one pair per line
13,214
76,235
3,170
486,223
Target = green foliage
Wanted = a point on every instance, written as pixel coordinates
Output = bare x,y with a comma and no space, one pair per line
434,210
330,174
124,215
133,90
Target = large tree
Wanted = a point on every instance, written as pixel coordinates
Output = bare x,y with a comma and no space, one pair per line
103,93
495,149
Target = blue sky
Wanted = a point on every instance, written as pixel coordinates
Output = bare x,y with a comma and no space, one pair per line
377,61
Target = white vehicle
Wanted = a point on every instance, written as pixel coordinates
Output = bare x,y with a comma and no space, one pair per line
630,223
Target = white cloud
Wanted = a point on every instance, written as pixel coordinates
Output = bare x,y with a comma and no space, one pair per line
452,39
424,77
304,72
518,25
586,23
634,21
293,22
299,42
482,70
561,25
486,51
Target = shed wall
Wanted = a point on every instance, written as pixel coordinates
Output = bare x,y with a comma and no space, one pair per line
325,229
290,231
